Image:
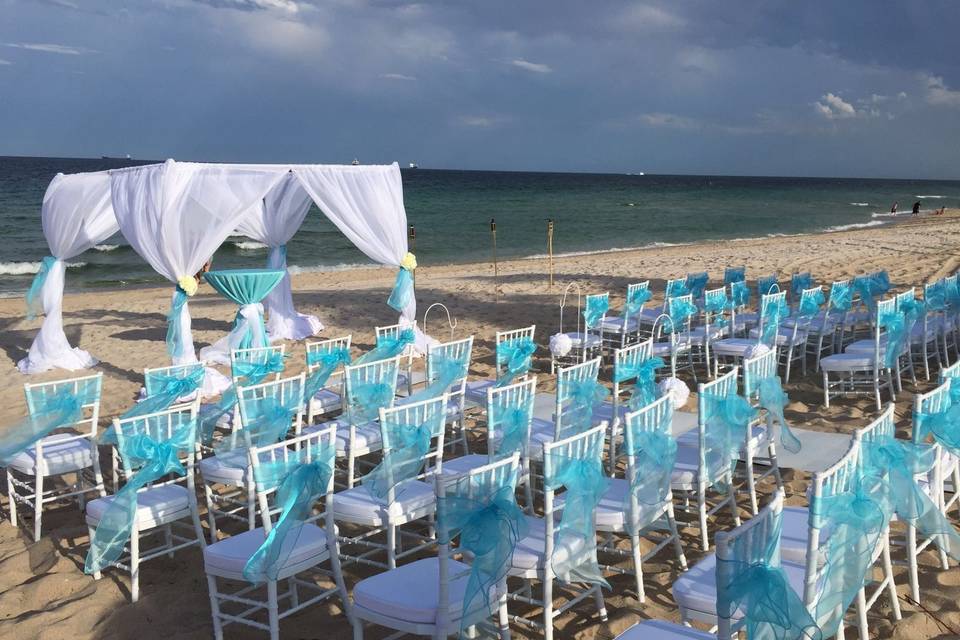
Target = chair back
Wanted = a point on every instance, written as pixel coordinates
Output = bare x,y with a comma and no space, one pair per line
153,377
904,296
430,415
885,308
756,541
457,351
254,355
569,419
252,401
723,386
929,403
510,418
363,379
772,306
506,338
654,418
948,373
676,287
767,285
755,370
625,362
595,310
633,290
582,447
677,321
697,284
87,388
734,274
717,310
161,427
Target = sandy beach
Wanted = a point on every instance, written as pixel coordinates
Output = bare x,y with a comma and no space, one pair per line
44,593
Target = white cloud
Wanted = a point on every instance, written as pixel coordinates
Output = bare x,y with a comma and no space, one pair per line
289,6
397,76
669,121
644,17
61,49
535,67
479,121
939,95
834,107
4,62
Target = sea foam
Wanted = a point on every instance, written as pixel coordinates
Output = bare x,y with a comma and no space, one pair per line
29,268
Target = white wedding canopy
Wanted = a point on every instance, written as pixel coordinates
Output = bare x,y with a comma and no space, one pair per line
176,214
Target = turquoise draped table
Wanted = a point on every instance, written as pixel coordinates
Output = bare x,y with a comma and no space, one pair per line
246,287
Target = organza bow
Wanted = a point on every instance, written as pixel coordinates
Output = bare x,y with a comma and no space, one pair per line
773,398
175,345
810,305
446,371
853,522
581,399
489,528
248,374
596,308
388,346
799,282
727,420
409,444
299,484
34,301
645,387
841,297
680,310
739,293
773,312
716,305
51,412
515,357
734,274
655,453
635,301
367,400
935,296
943,424
952,290
512,422
154,459
898,326
898,463
765,285
402,293
677,288
168,390
268,420
697,282
758,587
574,556
870,287
329,360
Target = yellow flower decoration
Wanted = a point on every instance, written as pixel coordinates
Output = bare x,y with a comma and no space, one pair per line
188,284
409,262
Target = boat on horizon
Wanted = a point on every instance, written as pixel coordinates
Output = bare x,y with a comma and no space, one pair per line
413,165
355,162
127,157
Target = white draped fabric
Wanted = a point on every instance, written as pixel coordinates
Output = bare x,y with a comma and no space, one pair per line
273,222
76,215
251,320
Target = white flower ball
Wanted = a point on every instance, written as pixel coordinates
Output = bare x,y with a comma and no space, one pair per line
757,350
677,389
560,344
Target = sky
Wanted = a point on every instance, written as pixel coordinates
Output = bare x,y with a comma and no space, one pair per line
865,88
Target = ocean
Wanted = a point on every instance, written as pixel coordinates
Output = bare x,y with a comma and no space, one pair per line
451,212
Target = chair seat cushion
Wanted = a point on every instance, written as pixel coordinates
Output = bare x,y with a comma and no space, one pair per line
227,468
325,401
464,464
663,630
414,499
612,509
737,347
698,333
615,324
412,592
577,339
155,506
541,431
861,347
794,534
785,336
847,362
58,456
228,556
696,590
649,315
686,468
476,390
366,437
530,552
666,347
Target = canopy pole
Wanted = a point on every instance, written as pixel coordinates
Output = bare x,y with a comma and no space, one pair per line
550,248
496,268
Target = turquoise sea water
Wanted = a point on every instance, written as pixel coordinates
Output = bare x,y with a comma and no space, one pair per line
451,211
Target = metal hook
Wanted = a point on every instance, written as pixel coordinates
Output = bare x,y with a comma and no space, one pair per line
451,322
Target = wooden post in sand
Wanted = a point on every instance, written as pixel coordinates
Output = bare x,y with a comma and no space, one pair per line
413,249
496,268
550,247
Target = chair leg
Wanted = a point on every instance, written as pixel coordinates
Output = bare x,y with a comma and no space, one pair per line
211,519
702,509
677,545
862,625
826,390
891,585
548,607
504,617
96,574
251,501
357,629
273,610
391,546
912,562
601,607
351,463
751,482
38,507
638,566
168,540
12,498
135,563
215,607
733,502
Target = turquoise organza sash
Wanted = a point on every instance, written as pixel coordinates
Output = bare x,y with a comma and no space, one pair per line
853,522
267,422
368,398
645,387
168,390
810,306
50,412
758,588
870,287
489,527
388,347
798,283
574,556
513,419
446,371
734,274
897,463
773,398
596,308
717,305
727,420
635,301
175,344
898,326
34,301
402,293
580,400
300,481
515,357
772,314
841,297
409,444
676,289
329,360
952,291
654,453
739,293
765,285
680,310
248,374
935,296
697,283
943,425
154,459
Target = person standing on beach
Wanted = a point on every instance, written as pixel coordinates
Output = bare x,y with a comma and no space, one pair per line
896,205
916,208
